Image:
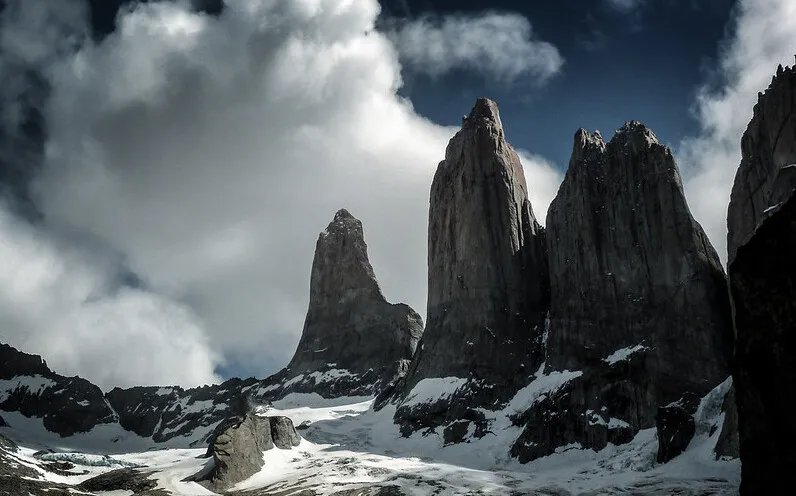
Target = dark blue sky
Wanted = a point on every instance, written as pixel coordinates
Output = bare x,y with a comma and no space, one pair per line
645,65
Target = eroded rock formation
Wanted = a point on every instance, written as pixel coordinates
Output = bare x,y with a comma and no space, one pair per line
488,286
639,301
354,342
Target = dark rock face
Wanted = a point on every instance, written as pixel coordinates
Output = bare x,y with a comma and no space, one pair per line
761,222
639,301
676,427
728,444
763,284
354,342
238,444
488,286
66,405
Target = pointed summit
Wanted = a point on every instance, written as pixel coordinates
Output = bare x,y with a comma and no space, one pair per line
350,330
487,280
485,113
639,304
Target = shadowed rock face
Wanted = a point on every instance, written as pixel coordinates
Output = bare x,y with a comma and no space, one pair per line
639,301
352,337
763,283
487,282
761,222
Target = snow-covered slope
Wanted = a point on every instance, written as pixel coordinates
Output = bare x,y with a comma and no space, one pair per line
348,446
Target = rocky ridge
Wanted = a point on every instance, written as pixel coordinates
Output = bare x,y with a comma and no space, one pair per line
488,288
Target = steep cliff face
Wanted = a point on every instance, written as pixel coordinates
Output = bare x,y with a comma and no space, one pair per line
763,283
767,174
354,342
639,301
487,283
761,223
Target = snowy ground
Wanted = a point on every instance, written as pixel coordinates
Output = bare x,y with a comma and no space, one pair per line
348,445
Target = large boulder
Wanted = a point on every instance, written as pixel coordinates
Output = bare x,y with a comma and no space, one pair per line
639,301
761,223
488,286
354,342
237,448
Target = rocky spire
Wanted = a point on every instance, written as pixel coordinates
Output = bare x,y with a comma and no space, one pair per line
487,280
761,222
767,174
639,301
350,328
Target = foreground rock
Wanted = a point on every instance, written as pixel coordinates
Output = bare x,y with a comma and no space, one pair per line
487,283
639,301
238,444
761,223
354,343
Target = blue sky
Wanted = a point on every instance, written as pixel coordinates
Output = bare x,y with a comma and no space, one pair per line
642,62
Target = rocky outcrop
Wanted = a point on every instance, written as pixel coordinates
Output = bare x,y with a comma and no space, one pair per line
238,444
761,223
354,342
66,405
488,286
639,301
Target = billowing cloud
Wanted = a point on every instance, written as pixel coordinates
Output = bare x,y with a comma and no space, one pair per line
206,154
763,36
501,45
57,300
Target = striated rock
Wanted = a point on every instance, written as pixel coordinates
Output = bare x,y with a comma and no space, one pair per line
639,301
238,444
354,342
761,222
488,286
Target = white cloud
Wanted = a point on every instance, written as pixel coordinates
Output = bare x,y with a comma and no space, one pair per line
764,36
60,302
501,45
543,180
625,5
207,154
